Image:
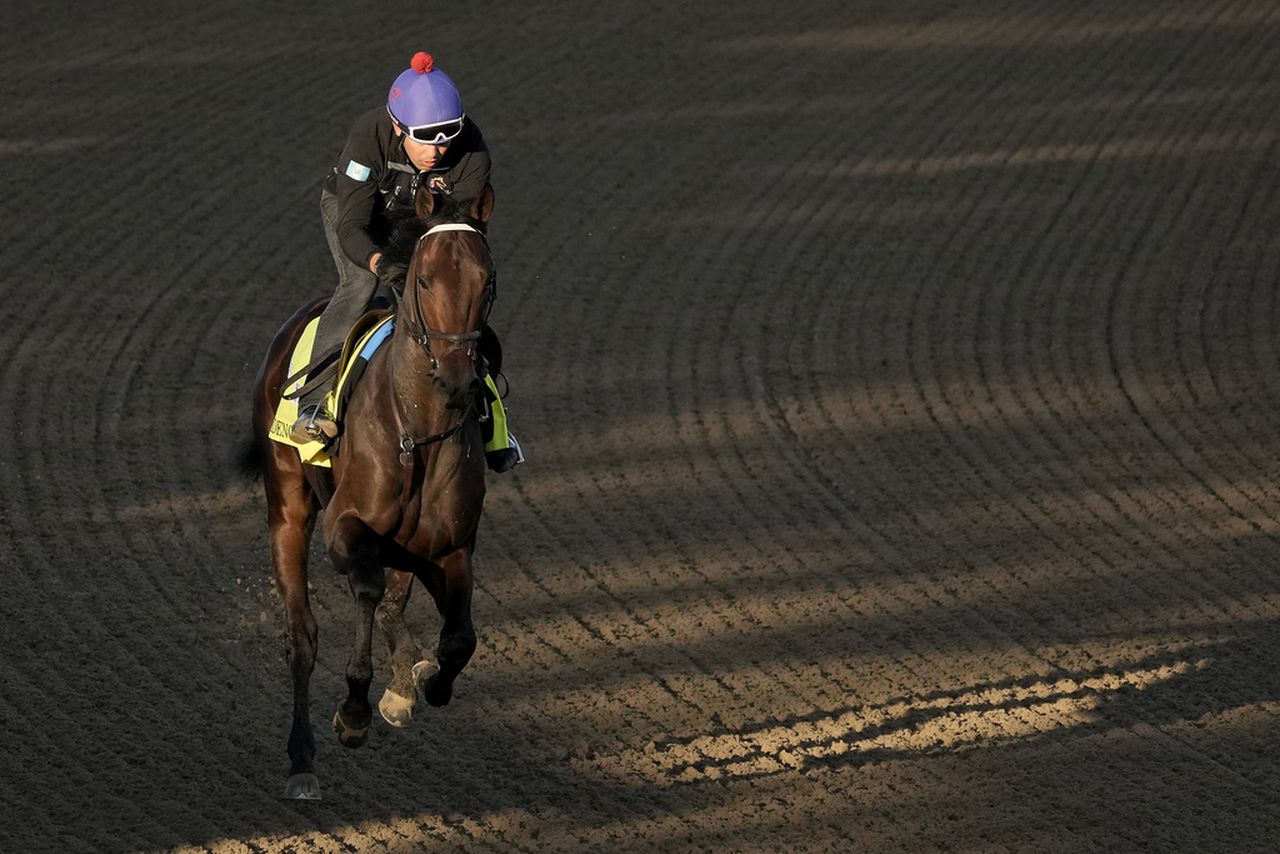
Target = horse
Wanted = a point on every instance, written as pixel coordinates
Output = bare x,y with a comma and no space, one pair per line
408,478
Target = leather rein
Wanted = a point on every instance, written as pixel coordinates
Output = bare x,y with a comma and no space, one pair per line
422,335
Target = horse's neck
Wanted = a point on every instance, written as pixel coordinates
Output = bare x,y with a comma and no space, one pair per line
408,380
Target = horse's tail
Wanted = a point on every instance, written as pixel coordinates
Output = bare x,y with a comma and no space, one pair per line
249,457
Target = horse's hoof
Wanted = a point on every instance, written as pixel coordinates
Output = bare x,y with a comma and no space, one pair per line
426,673
349,736
436,693
302,787
424,670
396,710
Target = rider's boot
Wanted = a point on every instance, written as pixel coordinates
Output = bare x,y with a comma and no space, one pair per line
505,459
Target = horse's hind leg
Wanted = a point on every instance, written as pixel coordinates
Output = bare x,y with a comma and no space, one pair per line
452,592
396,705
353,553
291,517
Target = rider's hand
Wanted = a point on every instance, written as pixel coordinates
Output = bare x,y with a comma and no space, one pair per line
373,262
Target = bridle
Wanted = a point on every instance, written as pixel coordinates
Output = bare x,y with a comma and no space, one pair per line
417,327
422,335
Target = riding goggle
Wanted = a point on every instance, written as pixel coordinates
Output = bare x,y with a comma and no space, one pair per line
434,134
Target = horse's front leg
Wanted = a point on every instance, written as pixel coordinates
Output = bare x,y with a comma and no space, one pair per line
353,550
451,588
408,669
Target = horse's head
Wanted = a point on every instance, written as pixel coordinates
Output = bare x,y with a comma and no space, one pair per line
448,291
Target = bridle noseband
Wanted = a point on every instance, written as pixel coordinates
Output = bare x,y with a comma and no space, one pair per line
417,327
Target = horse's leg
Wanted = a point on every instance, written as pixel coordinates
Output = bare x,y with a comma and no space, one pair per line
353,553
452,592
396,705
291,517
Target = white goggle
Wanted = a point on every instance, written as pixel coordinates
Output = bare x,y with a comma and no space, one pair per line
436,133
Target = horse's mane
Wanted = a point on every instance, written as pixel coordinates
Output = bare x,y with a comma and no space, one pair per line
404,227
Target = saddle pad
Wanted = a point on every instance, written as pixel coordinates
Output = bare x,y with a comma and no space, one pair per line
314,453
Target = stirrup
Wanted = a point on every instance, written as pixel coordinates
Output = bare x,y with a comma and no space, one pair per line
314,425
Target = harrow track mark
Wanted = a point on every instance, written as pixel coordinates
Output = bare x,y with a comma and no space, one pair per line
898,386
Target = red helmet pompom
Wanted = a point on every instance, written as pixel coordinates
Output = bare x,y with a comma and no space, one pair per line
422,62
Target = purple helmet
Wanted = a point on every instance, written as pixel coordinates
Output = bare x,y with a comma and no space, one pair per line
424,102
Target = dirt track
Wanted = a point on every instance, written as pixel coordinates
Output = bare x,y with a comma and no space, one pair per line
900,388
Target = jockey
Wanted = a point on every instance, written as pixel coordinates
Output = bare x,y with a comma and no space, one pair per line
420,136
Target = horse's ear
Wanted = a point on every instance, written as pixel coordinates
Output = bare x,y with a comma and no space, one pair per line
424,202
482,207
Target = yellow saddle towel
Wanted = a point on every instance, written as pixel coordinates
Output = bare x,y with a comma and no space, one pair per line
360,346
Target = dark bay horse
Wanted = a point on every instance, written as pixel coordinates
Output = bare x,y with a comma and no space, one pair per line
408,479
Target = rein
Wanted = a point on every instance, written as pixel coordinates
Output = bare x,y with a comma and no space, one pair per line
422,335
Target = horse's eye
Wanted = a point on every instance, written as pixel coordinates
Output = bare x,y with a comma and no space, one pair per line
422,283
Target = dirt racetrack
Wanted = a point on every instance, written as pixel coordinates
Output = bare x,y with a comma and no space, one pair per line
899,381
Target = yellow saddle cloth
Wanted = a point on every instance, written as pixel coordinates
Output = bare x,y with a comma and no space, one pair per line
361,344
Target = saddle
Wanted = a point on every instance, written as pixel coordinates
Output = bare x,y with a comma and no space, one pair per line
366,336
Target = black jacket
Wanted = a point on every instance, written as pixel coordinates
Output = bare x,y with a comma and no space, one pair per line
374,174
